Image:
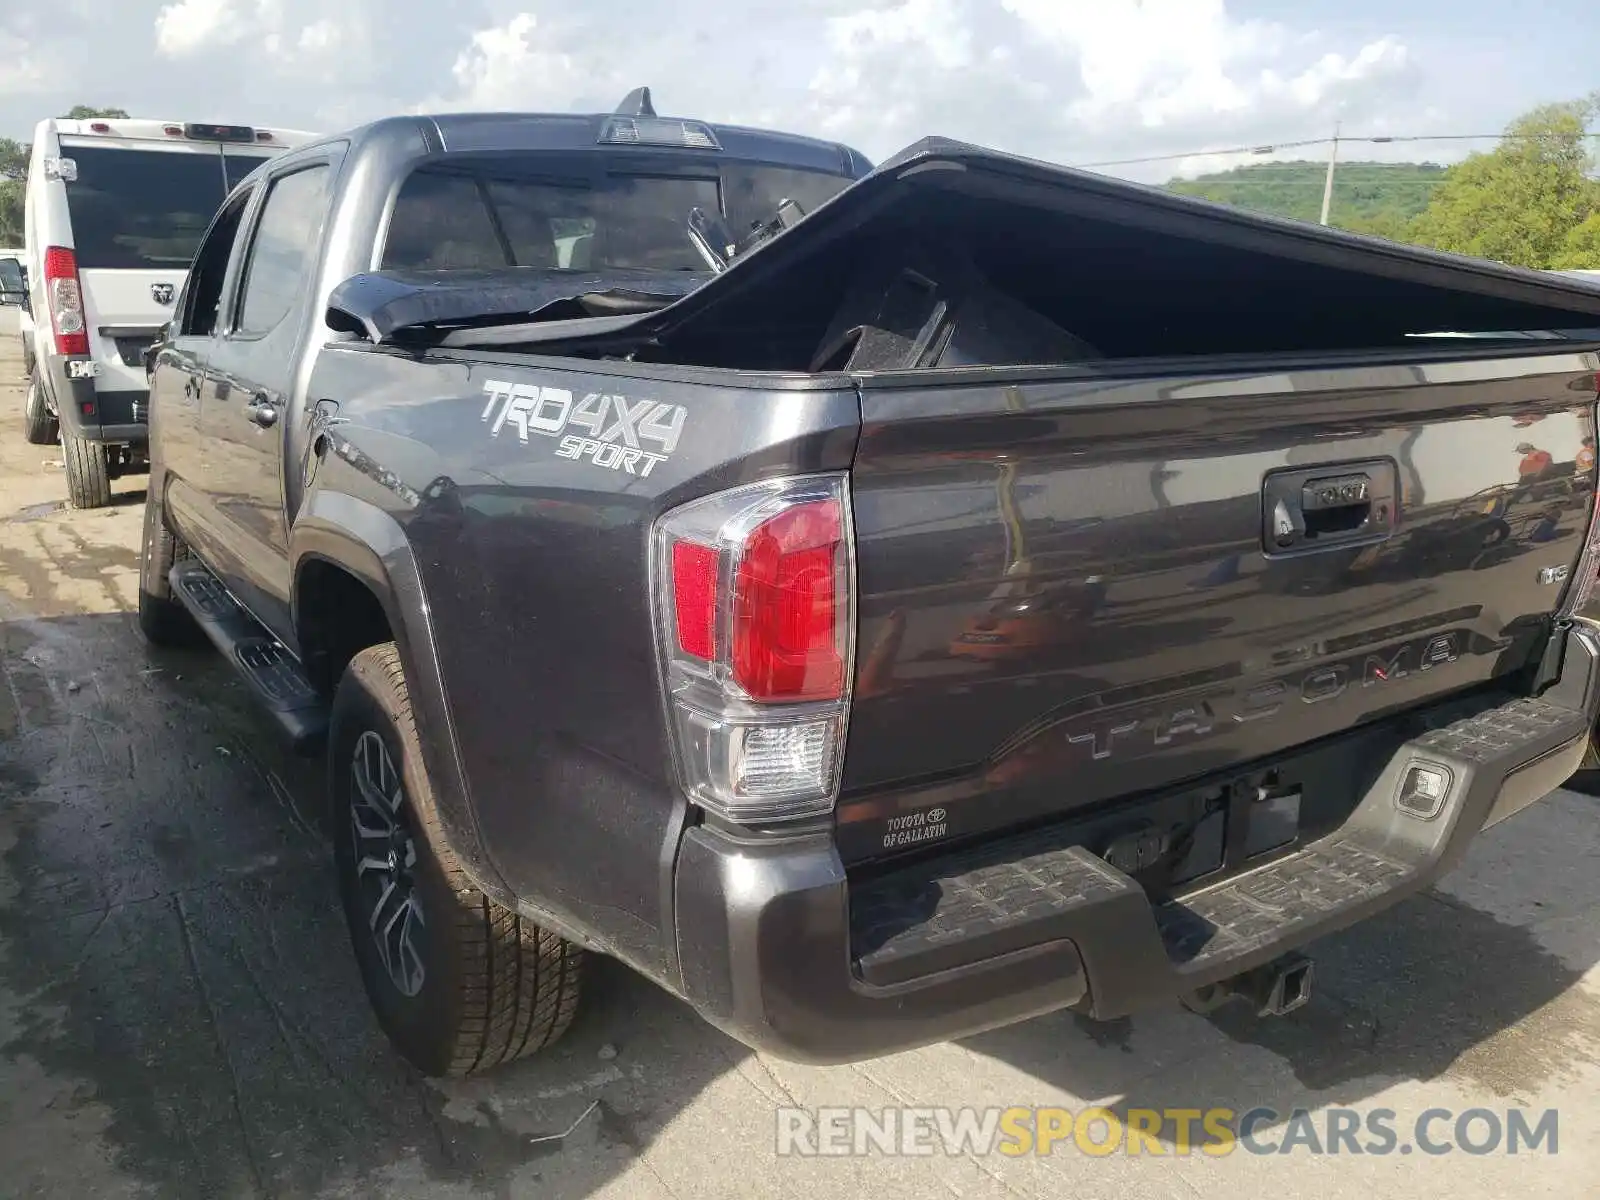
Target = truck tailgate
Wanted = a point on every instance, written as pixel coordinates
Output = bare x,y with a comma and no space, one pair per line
1084,590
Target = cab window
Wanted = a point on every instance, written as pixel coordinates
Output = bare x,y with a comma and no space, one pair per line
203,293
287,237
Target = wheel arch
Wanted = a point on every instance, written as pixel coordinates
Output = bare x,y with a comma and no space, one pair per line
342,541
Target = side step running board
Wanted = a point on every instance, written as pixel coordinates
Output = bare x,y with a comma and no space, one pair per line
274,675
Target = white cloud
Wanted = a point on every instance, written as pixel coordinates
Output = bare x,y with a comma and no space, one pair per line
1158,61
321,37
1333,75
1068,80
515,65
189,28
22,68
1047,77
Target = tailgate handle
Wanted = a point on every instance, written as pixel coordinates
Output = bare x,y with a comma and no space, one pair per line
1327,507
1333,506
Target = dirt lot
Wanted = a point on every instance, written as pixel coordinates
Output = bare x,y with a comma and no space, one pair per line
179,1014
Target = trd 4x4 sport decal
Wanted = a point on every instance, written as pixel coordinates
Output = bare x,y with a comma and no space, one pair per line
618,428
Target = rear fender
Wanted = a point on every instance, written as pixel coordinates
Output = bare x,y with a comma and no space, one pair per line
367,542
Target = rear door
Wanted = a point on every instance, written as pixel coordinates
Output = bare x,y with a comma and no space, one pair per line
250,384
1073,593
138,211
179,375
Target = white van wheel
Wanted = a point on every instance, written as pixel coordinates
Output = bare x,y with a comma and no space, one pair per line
88,475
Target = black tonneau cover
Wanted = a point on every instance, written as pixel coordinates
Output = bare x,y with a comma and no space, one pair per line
1131,270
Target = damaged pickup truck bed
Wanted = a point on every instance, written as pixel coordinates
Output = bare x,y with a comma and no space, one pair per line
876,604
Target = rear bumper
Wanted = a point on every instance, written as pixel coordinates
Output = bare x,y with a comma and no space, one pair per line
116,417
781,951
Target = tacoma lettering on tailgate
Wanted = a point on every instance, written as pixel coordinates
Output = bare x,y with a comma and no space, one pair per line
1152,727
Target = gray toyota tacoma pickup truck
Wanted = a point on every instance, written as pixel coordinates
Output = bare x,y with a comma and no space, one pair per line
876,604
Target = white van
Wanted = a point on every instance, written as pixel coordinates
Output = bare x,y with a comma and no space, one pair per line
113,212
14,294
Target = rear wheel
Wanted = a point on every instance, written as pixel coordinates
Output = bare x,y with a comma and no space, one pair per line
458,983
1587,777
88,472
40,426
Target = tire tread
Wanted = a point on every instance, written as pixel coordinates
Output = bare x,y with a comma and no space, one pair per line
518,984
88,480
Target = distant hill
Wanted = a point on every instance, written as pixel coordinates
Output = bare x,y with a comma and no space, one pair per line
1370,197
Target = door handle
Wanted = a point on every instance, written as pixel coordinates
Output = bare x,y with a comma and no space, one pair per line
1324,508
263,412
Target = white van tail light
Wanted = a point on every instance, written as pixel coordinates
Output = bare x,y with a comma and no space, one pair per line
65,298
755,621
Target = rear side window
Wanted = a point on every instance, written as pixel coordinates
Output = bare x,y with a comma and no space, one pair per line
440,222
636,222
753,193
444,221
141,209
572,212
283,249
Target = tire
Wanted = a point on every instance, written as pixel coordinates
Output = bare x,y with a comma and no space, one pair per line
1586,779
163,620
39,426
1585,782
88,479
480,986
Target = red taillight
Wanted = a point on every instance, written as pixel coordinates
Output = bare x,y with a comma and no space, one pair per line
263,135
99,127
65,299
785,639
694,594
754,603
172,130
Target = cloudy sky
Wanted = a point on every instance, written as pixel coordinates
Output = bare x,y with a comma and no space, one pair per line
1077,81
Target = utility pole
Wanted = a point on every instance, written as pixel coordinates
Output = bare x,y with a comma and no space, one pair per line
1327,186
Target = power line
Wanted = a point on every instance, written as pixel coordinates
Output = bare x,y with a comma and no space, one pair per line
1128,162
1275,147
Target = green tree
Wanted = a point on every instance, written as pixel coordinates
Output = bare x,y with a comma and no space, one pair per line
13,174
1395,226
1519,202
87,112
1581,251
1367,196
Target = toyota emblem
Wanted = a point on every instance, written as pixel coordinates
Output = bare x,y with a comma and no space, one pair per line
161,293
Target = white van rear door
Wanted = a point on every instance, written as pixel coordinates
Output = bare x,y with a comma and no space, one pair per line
125,309
138,211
